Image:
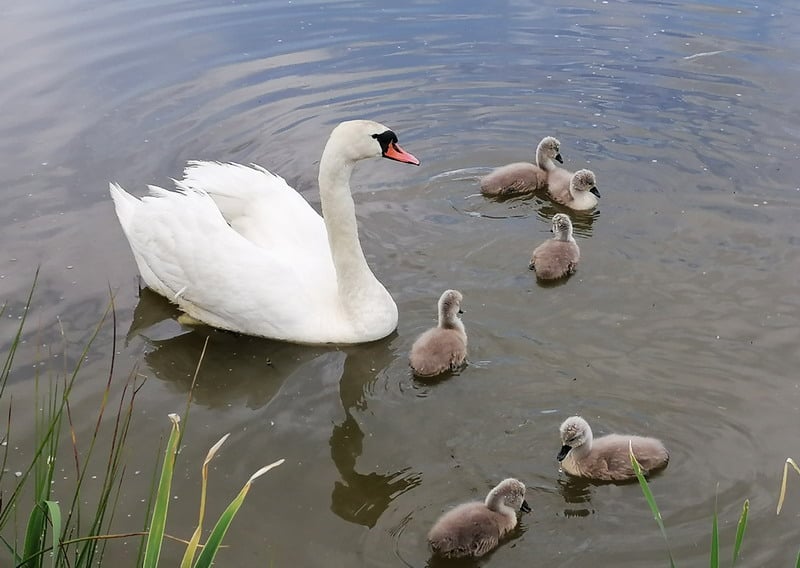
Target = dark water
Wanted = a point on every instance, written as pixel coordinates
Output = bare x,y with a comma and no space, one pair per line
681,322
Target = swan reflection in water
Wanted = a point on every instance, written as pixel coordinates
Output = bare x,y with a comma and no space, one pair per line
238,369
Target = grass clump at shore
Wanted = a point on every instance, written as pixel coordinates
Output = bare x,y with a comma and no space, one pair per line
64,531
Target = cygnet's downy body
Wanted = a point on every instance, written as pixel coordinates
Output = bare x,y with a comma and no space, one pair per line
557,257
473,529
442,348
523,177
606,458
577,191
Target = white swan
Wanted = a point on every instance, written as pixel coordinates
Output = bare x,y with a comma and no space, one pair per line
237,248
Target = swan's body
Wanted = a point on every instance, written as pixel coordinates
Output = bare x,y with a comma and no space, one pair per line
473,529
237,248
607,457
444,347
523,177
577,191
559,256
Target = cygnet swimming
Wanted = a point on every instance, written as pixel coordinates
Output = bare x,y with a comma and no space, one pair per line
523,177
559,256
444,347
577,191
607,457
473,529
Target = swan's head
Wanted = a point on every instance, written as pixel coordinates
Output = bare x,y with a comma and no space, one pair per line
562,226
511,493
550,148
450,305
361,139
575,432
584,180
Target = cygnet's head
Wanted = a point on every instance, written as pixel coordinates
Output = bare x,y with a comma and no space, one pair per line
511,493
575,432
550,148
361,139
450,306
562,226
584,180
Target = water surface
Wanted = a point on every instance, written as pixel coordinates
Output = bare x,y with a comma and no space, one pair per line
681,321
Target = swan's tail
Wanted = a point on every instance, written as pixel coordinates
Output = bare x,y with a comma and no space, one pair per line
124,203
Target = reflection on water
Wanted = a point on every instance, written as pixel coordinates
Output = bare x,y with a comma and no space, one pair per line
577,494
237,369
362,497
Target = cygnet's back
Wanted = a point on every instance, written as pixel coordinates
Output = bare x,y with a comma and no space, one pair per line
473,529
559,256
577,191
606,458
444,347
523,177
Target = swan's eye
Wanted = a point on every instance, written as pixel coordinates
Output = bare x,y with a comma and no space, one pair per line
385,138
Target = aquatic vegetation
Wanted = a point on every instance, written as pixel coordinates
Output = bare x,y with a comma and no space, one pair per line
70,527
714,554
789,461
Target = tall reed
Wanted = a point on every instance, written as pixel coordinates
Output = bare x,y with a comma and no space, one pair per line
76,536
714,552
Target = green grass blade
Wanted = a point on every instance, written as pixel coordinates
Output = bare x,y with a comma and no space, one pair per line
6,370
740,527
797,565
11,550
55,520
214,541
191,548
158,521
714,558
34,537
651,501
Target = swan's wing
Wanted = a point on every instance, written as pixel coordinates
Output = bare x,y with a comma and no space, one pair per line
258,204
186,252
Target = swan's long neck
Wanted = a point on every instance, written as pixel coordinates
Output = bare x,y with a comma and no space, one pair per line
565,235
449,320
353,274
585,448
543,160
496,502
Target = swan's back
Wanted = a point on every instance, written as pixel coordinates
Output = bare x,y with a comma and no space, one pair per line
514,179
470,529
558,184
259,205
186,252
555,259
437,351
609,459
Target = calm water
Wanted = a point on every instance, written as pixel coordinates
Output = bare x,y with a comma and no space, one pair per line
681,322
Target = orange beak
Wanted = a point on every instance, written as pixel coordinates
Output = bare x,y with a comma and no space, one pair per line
395,152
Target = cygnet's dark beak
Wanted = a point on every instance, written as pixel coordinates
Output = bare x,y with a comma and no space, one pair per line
525,508
460,311
531,266
559,158
563,453
594,190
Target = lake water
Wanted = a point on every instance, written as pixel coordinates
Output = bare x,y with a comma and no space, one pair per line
681,321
